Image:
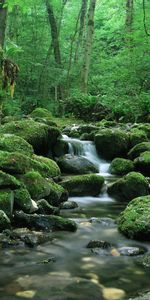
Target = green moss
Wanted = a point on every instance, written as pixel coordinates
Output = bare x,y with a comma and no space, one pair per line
40,136
37,186
137,136
138,149
14,163
7,201
4,221
121,166
111,143
41,113
145,127
130,186
46,121
57,194
54,170
83,185
106,123
8,181
142,163
13,143
22,199
134,221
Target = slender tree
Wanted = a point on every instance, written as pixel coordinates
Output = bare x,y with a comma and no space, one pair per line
3,17
129,23
88,47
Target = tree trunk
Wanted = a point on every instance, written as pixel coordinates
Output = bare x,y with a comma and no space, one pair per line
55,41
3,17
88,47
129,23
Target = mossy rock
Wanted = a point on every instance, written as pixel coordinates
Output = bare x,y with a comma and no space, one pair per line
58,194
37,186
137,136
83,185
22,200
111,143
7,201
121,166
87,136
145,127
61,148
44,222
54,169
8,181
76,165
134,221
106,123
138,149
142,163
46,121
129,187
4,221
45,208
41,113
144,296
42,137
13,143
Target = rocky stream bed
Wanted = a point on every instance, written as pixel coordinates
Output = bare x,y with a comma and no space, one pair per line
74,210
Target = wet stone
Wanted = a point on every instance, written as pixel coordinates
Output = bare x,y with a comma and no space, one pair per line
104,221
131,251
98,244
69,205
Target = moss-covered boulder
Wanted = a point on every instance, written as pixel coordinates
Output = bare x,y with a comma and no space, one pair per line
111,143
137,136
4,221
42,137
138,149
58,194
134,221
130,186
45,208
121,166
145,127
8,181
70,164
41,112
13,143
83,185
22,200
54,169
7,201
44,222
37,186
142,163
61,148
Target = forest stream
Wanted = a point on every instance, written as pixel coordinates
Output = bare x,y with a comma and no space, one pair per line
38,273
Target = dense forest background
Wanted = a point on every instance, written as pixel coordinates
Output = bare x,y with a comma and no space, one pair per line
85,58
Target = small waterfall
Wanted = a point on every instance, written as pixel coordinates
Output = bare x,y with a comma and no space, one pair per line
87,149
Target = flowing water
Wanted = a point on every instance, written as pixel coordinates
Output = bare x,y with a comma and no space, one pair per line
24,272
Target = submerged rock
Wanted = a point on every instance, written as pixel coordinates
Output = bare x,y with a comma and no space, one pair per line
121,166
4,221
83,185
44,222
131,251
98,244
142,163
104,221
134,221
138,149
111,143
76,165
130,186
69,205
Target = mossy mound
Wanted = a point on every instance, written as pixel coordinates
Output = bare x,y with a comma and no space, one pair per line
46,121
76,165
40,136
37,186
54,170
142,163
138,149
137,136
83,185
44,222
4,221
121,166
22,200
111,143
145,127
13,143
8,181
129,187
58,194
134,221
7,201
41,113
